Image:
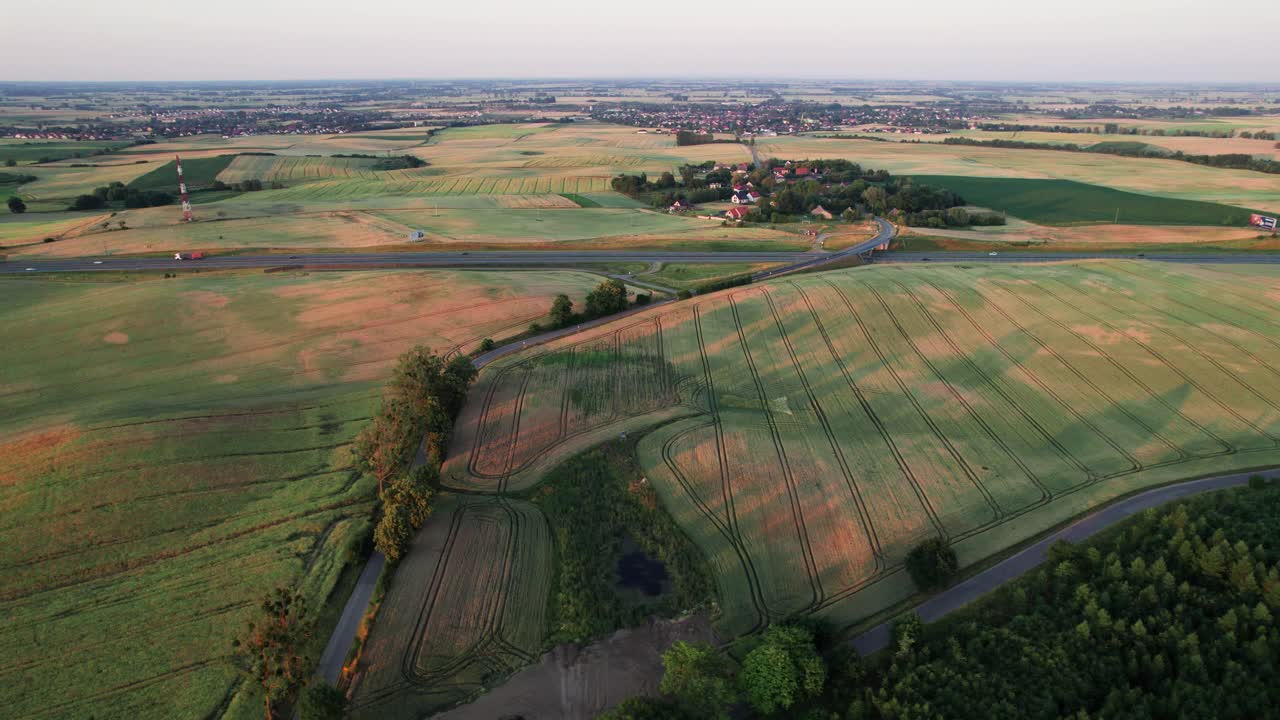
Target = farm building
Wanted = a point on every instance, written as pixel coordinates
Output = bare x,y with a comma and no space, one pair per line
736,213
821,212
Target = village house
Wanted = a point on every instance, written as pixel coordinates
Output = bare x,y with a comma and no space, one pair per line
737,213
821,212
680,206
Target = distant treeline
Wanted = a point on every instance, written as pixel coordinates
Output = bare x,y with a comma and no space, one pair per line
1235,161
687,137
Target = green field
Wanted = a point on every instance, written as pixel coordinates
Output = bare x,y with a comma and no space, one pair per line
1065,202
30,151
175,448
810,431
198,172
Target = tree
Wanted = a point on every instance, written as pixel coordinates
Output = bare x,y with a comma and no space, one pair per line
783,670
323,701
645,708
16,206
700,678
10,162
88,202
383,446
931,563
561,311
608,298
414,493
270,652
394,531
486,345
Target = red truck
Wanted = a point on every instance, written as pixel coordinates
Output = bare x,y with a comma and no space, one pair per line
198,255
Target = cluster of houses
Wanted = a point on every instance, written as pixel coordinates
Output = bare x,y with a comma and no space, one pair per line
745,195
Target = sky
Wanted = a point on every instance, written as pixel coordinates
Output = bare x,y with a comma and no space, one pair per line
994,40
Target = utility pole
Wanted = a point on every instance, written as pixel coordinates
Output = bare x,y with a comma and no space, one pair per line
182,191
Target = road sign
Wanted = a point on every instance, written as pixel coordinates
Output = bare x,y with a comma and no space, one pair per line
1263,221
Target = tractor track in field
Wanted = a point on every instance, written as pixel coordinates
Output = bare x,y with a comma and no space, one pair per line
990,382
1195,348
793,491
1224,338
489,647
1168,296
968,408
1227,448
616,415
1182,455
873,539
905,467
1135,464
726,486
1172,368
915,403
869,411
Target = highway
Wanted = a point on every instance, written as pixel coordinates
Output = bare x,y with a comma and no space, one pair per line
1017,257
521,259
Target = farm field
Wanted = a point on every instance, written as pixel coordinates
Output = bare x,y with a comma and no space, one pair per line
1164,178
468,605
177,447
1019,234
1064,202
810,431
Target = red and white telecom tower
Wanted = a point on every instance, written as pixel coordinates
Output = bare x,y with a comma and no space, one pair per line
182,190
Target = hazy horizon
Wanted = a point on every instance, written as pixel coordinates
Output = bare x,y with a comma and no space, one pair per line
1092,41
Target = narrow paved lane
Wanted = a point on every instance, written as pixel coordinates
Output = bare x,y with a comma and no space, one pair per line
956,597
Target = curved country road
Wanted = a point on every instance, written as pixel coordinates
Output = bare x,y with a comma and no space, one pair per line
957,596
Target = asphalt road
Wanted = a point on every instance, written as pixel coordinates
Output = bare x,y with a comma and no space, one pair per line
1018,257
957,596
530,258
335,652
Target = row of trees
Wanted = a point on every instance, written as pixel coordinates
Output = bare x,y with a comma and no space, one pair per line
1237,161
608,298
424,396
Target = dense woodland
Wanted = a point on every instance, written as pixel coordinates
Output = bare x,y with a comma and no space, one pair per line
1170,615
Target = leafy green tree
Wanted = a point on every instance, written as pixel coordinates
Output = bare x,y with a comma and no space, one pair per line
487,344
394,531
607,298
645,708
700,678
785,669
561,311
413,493
16,206
10,162
322,701
269,654
931,563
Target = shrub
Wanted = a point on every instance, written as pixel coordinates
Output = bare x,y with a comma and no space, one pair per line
1257,482
932,563
487,344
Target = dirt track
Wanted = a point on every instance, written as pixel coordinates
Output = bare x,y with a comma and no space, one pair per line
590,679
